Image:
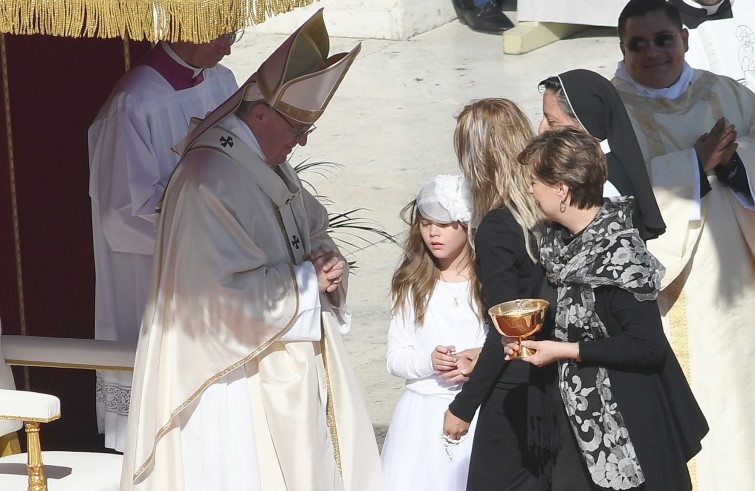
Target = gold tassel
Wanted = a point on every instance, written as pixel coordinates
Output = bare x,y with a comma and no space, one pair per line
198,21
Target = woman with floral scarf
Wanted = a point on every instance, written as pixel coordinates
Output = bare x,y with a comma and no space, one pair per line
633,417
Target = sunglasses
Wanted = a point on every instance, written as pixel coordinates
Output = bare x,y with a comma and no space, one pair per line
663,40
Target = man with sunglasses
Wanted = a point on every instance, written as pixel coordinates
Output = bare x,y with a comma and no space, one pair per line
242,381
130,159
697,134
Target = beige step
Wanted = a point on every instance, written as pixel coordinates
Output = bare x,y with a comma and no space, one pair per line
529,36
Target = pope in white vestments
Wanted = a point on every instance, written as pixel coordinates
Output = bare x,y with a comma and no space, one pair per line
130,160
242,381
705,194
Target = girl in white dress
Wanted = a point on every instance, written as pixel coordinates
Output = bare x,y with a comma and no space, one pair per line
434,339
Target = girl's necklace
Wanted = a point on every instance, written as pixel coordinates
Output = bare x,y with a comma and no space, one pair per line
454,297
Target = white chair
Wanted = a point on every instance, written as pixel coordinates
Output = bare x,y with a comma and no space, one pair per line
61,471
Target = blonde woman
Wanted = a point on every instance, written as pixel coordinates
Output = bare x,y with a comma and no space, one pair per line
489,135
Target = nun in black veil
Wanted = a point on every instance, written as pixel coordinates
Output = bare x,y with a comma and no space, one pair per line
585,99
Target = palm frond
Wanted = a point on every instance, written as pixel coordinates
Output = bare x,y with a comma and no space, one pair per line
352,232
323,168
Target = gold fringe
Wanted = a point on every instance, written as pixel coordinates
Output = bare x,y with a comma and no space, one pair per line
198,21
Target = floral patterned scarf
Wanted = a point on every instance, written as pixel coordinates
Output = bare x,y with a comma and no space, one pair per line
608,252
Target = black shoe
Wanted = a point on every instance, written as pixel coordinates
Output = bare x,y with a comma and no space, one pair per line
485,18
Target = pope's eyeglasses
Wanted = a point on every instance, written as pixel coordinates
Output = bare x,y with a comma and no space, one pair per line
296,132
661,41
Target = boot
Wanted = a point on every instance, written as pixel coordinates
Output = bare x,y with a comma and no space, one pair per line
486,18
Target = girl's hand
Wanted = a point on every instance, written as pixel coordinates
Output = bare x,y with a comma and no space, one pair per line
465,363
546,351
443,359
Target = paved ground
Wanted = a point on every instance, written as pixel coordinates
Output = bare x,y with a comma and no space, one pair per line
390,126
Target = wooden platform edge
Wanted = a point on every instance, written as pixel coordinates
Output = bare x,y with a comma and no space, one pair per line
529,36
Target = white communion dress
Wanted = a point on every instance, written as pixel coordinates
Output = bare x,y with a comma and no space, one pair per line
414,456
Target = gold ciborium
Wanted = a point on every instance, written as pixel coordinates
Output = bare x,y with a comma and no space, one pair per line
520,319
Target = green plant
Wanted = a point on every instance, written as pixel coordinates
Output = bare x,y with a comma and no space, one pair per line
352,232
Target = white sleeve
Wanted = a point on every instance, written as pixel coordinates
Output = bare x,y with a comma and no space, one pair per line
306,326
403,357
676,184
124,179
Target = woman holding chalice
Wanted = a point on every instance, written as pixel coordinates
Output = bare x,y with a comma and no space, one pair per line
632,418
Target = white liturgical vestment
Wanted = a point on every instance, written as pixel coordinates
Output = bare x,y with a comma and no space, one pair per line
130,160
708,294
240,357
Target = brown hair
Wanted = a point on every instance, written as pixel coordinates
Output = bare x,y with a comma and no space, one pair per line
570,156
415,277
489,135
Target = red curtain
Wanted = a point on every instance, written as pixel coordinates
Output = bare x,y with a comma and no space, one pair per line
55,88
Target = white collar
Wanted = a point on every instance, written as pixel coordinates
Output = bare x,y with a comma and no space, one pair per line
605,146
238,127
711,9
179,60
675,90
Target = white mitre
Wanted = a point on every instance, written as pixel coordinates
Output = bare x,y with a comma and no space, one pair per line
298,79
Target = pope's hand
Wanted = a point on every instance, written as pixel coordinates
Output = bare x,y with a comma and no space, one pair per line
329,266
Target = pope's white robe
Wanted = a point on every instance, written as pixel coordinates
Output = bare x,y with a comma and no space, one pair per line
224,292
708,294
130,160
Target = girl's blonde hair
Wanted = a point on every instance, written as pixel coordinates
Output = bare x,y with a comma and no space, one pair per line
489,135
414,279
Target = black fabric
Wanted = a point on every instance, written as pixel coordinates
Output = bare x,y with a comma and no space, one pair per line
544,401
569,472
506,273
704,184
600,110
693,17
499,459
664,421
607,252
736,177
